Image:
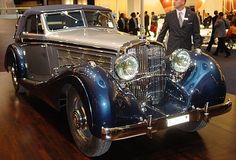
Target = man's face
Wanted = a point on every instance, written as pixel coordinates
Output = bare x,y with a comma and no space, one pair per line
178,4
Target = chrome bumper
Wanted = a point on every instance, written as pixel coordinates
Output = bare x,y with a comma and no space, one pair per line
150,126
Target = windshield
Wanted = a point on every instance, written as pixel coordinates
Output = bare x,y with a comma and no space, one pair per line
99,19
64,20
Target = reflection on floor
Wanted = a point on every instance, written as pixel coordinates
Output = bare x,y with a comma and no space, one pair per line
30,129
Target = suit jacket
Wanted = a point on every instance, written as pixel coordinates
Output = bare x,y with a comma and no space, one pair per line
146,20
213,26
180,37
220,27
132,28
214,21
122,26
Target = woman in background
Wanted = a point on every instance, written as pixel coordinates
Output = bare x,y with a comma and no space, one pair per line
154,24
220,26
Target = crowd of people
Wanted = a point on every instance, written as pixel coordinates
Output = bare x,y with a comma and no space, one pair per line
224,30
132,25
183,25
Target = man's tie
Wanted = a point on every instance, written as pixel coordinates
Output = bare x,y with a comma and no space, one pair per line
180,19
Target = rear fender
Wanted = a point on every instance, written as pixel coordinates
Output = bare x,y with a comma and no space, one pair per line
15,54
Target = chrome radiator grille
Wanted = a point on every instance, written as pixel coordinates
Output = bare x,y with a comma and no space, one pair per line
149,84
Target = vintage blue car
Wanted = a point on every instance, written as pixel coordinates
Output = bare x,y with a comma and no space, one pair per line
113,85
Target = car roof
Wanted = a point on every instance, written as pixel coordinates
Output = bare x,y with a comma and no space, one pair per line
52,8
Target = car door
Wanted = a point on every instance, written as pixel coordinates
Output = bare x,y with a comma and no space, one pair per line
36,54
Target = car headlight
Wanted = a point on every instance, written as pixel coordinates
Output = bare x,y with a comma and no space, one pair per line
180,60
126,67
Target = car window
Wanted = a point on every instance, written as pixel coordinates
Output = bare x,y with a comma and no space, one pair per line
34,25
99,19
64,20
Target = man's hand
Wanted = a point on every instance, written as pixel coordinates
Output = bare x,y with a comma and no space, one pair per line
198,50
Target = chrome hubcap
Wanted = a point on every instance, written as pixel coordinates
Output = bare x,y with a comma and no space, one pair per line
14,78
79,117
77,120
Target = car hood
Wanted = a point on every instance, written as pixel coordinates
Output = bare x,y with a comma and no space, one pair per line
99,38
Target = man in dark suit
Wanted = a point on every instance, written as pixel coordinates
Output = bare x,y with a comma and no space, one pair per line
212,40
133,24
122,23
182,24
146,23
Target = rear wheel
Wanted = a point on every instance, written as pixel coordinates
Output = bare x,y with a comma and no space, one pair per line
78,122
13,70
193,126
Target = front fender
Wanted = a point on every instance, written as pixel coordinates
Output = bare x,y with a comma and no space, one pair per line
100,92
93,86
110,105
206,82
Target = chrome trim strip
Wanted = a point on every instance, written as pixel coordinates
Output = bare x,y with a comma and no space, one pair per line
63,44
143,128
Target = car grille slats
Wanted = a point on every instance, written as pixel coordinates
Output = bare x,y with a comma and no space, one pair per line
150,84
74,57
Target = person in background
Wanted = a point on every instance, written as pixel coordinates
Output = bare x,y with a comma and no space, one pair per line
200,17
154,24
183,26
122,23
138,17
146,23
207,21
233,17
212,40
220,26
133,24
229,16
231,34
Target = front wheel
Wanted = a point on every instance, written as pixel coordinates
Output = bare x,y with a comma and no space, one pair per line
77,118
193,126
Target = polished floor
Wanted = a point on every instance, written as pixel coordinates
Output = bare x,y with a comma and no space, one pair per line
31,130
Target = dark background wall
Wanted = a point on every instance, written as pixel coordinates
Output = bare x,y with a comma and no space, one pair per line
41,2
90,2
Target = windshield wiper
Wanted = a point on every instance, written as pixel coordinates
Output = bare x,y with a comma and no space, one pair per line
65,13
